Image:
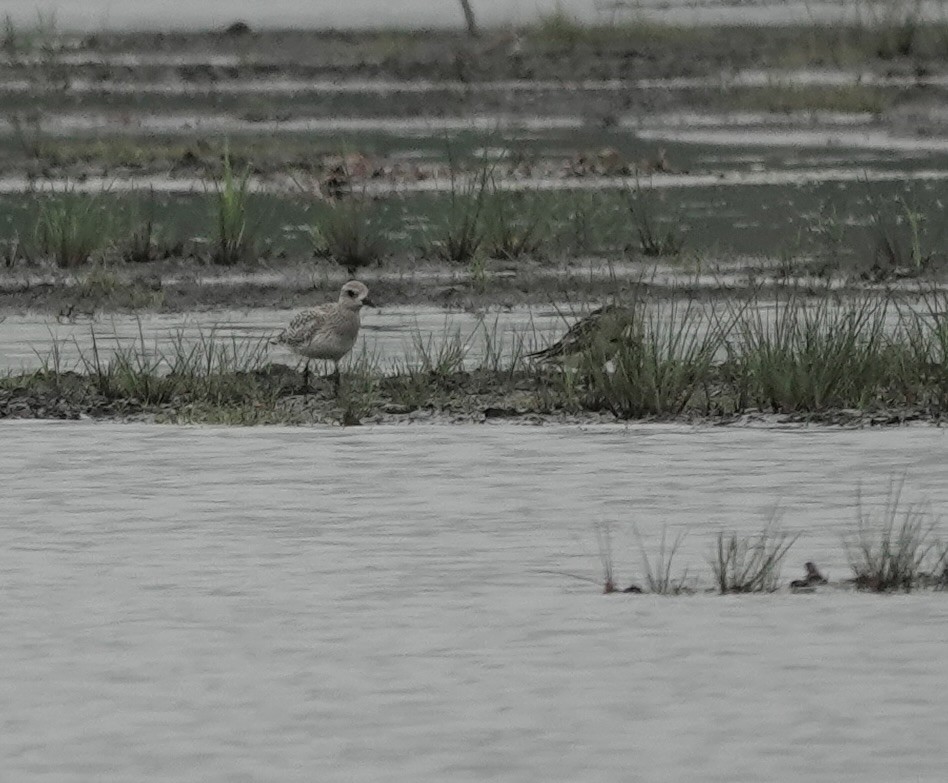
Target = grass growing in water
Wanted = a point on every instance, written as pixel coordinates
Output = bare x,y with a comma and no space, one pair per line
898,237
232,242
895,548
348,232
604,543
70,229
657,572
144,240
460,234
752,564
516,225
654,239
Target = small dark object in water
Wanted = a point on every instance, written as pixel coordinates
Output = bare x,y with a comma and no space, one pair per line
632,589
813,578
238,28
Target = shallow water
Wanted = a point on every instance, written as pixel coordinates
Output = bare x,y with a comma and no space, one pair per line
204,604
28,342
382,86
390,338
179,122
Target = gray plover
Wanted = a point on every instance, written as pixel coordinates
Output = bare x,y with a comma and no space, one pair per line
600,332
327,332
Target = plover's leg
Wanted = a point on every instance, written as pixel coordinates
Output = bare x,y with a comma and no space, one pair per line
336,378
306,376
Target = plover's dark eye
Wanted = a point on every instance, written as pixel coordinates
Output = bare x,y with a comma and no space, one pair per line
352,293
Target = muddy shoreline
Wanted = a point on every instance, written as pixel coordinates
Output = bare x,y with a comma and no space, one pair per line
476,397
181,288
550,51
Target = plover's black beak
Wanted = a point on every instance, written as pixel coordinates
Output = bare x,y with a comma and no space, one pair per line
368,303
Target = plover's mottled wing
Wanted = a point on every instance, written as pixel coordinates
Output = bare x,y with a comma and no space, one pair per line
304,325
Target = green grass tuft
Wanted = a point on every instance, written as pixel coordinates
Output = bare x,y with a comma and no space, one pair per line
71,228
809,355
232,241
661,362
349,233
460,234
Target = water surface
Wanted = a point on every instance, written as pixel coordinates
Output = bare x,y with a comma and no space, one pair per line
209,604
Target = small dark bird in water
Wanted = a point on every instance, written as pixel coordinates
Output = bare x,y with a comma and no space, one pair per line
812,579
603,331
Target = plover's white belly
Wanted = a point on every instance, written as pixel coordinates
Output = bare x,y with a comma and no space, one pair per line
328,345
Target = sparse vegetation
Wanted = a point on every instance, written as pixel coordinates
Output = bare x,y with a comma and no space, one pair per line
750,564
461,233
893,548
890,233
348,232
899,245
655,238
658,572
810,354
896,548
144,240
561,28
233,241
516,225
606,559
11,252
661,361
70,229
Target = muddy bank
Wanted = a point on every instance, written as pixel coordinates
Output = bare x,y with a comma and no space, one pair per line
75,298
564,51
276,394
172,287
81,298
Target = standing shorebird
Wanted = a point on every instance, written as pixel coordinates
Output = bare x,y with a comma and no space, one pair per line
327,332
600,332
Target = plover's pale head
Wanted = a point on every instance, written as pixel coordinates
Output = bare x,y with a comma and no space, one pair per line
354,294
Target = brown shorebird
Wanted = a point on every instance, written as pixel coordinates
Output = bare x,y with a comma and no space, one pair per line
600,332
